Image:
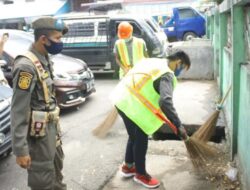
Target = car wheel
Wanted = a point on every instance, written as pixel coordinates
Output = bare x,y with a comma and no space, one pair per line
189,36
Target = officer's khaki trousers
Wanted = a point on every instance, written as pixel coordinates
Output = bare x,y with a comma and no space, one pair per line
46,162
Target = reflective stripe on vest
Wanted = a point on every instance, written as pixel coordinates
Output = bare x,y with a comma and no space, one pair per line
123,52
140,82
137,50
41,72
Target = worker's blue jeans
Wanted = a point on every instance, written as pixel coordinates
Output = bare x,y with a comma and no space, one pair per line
137,145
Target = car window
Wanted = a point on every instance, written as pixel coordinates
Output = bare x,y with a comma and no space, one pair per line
85,33
147,28
102,28
84,29
136,30
186,13
151,26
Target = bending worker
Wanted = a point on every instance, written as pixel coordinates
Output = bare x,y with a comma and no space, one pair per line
143,97
128,50
35,126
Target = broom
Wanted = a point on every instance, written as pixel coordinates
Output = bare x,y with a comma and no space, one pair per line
101,130
104,127
205,132
199,152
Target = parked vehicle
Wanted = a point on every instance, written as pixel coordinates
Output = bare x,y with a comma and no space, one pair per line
184,24
5,133
92,38
74,81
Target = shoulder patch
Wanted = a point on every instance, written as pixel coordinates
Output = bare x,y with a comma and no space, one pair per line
24,80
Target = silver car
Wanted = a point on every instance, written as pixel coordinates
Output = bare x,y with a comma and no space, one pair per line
5,134
74,81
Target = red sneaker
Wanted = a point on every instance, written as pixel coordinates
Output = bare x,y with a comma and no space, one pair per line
127,172
147,181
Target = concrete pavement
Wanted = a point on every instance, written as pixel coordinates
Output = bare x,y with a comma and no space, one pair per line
167,161
195,100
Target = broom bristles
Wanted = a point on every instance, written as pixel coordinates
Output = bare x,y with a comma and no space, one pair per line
199,152
102,130
205,132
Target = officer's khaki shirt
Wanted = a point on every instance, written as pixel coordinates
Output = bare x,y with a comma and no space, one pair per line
27,96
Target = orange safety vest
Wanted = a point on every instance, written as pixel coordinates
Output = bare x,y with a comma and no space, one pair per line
138,53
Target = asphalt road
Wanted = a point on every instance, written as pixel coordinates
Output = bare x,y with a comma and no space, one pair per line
89,162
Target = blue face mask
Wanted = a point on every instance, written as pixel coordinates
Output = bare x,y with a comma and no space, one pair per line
178,70
54,48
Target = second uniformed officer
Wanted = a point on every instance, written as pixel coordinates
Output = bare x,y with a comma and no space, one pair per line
34,112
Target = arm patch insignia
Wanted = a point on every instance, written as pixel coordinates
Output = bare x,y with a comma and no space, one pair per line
24,80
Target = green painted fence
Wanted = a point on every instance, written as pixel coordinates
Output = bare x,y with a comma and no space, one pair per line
228,27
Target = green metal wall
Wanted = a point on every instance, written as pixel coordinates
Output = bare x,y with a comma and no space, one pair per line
229,30
244,124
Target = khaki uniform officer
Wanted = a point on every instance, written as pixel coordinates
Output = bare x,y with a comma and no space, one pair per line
34,113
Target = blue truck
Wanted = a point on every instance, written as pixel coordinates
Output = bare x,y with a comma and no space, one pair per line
185,23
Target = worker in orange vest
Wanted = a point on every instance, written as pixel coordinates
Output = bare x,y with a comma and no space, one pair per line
128,49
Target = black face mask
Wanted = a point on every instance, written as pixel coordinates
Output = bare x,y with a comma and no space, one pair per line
54,48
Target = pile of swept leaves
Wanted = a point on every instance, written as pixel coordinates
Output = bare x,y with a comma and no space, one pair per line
216,170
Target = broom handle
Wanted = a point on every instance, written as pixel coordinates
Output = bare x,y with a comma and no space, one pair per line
226,95
169,123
